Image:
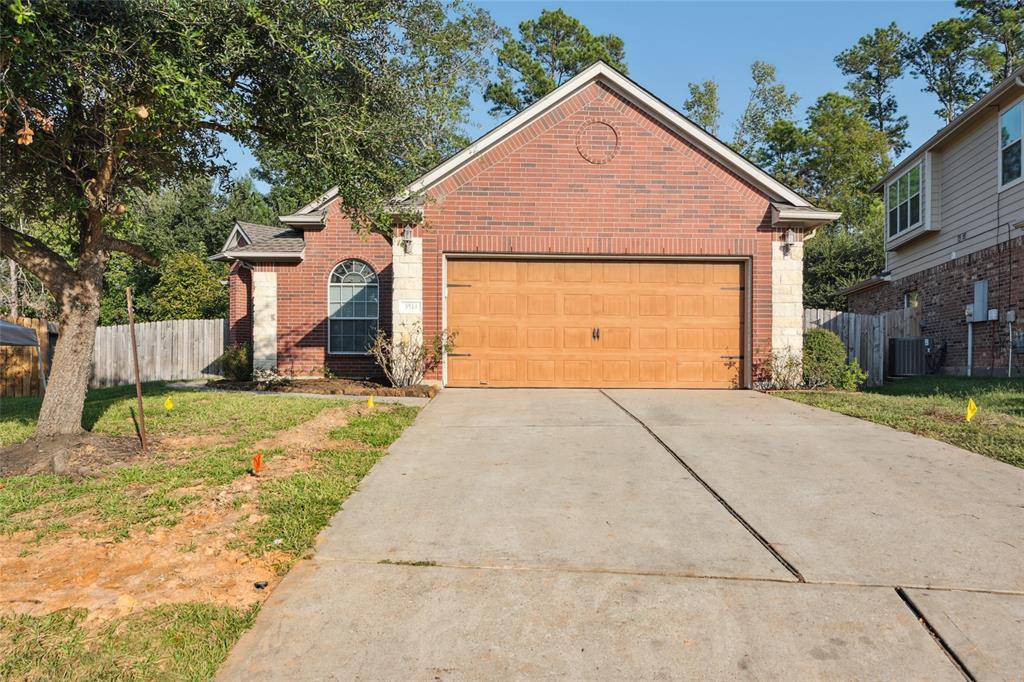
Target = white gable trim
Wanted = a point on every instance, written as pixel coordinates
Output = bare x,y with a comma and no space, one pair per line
237,237
626,88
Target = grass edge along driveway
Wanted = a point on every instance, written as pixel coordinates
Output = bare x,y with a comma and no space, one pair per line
187,640
934,406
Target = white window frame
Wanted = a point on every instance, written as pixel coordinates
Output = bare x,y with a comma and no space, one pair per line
374,283
921,194
1000,146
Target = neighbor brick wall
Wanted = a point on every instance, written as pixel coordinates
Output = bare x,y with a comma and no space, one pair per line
945,290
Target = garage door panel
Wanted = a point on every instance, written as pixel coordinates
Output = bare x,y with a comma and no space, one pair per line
501,304
535,323
577,304
502,337
577,337
615,371
501,271
615,338
540,337
501,371
614,305
540,304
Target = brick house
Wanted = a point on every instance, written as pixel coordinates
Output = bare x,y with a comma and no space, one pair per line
598,238
954,217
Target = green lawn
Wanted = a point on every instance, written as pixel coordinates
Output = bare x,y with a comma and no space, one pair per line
934,406
186,640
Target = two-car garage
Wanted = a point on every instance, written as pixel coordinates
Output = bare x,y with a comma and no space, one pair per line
595,323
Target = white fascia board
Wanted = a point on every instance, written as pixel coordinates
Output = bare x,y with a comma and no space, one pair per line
318,202
301,220
261,255
628,89
803,216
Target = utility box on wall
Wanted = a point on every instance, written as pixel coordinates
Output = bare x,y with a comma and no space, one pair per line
980,307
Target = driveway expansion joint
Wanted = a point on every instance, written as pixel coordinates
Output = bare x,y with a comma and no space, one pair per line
721,500
946,648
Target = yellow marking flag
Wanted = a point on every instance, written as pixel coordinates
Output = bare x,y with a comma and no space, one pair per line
168,404
972,409
369,402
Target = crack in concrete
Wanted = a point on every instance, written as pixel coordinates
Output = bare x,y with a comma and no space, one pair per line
585,570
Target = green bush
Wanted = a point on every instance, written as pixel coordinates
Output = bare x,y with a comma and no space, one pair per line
825,363
236,364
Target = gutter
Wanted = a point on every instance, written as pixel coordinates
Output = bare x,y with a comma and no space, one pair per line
258,255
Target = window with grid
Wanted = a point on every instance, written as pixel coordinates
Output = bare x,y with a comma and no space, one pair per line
352,307
903,201
1011,122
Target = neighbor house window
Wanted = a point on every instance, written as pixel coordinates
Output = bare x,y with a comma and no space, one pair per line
903,200
352,307
910,299
1011,122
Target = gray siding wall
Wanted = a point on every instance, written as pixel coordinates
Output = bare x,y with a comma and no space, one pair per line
967,210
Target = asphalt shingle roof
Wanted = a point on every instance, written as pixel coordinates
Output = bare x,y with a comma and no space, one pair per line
270,239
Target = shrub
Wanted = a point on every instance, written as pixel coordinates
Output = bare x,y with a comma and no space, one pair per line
268,377
825,363
782,372
236,364
408,358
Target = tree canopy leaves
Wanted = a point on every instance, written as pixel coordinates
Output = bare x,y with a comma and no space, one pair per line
874,64
702,105
549,51
769,103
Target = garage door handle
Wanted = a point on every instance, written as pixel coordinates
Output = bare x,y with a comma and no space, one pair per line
596,333
731,357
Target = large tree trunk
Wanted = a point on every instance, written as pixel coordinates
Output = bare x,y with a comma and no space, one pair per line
61,412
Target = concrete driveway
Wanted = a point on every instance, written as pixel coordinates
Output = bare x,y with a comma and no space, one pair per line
656,535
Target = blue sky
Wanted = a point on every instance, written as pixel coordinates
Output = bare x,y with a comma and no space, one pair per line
671,43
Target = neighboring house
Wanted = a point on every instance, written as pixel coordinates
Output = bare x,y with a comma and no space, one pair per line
954,217
598,238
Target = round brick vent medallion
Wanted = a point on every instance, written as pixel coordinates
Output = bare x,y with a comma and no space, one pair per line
597,142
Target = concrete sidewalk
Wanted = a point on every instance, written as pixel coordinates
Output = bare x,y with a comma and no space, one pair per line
530,534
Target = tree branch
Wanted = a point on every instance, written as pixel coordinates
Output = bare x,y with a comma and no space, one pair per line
33,255
133,250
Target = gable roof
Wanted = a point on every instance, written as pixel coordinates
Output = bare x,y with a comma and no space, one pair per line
641,98
251,241
1015,80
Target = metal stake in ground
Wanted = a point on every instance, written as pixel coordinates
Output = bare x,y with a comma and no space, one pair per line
135,362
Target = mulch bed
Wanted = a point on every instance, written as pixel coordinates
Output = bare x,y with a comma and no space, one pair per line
329,387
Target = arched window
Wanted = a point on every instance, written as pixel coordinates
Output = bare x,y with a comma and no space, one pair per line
352,307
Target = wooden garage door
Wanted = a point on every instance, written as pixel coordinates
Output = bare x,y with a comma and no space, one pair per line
595,323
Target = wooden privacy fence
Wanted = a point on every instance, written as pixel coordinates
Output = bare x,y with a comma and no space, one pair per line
19,365
172,349
866,337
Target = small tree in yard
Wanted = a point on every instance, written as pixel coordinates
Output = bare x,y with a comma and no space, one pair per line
100,100
406,359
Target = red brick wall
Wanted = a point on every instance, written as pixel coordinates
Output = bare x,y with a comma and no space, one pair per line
659,195
945,290
302,298
650,194
239,305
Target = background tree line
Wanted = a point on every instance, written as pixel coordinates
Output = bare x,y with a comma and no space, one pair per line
849,140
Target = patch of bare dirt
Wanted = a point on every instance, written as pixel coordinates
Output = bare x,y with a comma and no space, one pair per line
329,387
195,560
311,435
83,454
191,561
